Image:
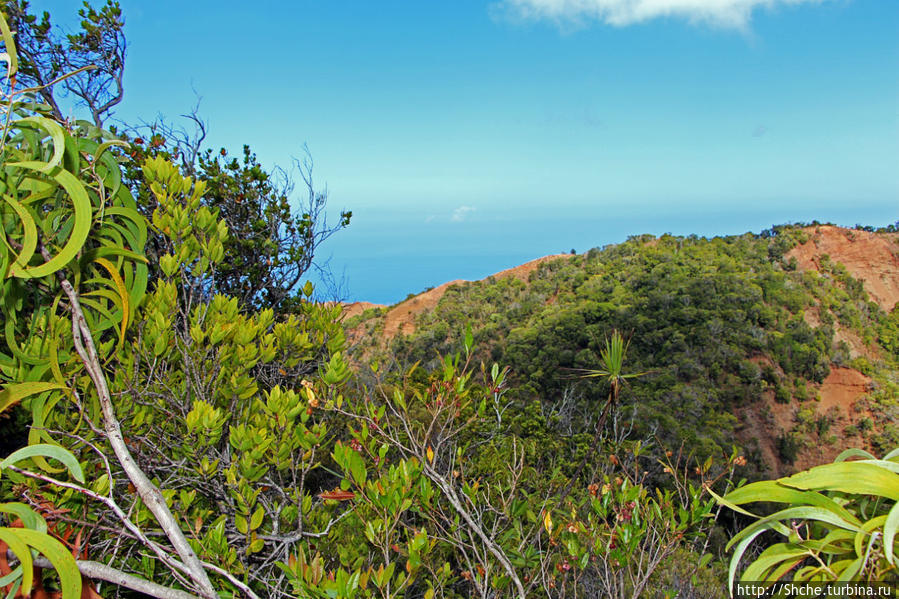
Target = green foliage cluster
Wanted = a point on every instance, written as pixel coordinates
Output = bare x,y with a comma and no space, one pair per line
64,207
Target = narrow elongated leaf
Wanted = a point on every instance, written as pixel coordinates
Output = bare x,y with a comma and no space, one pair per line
847,477
868,533
14,393
123,296
11,58
770,558
889,533
775,492
57,133
59,556
19,546
82,220
854,453
13,576
29,236
851,570
28,516
48,451
738,555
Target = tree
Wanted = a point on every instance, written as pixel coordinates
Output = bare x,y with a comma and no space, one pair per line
72,270
89,64
271,247
274,240
612,371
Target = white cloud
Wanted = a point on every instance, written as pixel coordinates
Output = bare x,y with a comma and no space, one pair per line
734,14
461,213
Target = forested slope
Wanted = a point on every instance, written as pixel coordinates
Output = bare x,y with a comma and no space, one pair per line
784,342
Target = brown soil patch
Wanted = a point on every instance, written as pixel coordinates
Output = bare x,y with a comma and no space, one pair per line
838,394
872,258
401,318
766,420
356,308
841,388
758,422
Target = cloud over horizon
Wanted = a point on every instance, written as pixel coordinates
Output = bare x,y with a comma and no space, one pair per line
461,213
733,14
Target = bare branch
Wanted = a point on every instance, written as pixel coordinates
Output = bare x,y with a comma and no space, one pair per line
98,571
152,498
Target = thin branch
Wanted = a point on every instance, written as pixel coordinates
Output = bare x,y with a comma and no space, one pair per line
151,496
98,571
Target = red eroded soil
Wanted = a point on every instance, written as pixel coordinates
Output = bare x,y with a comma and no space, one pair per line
401,318
354,308
870,257
838,393
766,420
841,388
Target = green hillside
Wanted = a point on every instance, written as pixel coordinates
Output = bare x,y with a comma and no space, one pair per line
721,326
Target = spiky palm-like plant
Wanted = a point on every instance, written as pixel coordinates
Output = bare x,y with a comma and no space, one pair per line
611,361
611,366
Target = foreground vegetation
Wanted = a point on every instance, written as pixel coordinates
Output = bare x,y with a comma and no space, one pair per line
197,428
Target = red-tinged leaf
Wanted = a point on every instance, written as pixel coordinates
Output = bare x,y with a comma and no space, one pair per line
337,495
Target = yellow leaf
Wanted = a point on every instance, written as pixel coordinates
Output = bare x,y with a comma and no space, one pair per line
548,522
430,454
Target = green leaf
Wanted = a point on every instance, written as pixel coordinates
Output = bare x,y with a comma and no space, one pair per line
82,219
256,519
18,545
28,516
773,491
889,533
14,393
738,555
47,451
256,546
770,558
29,234
847,477
241,524
59,556
11,59
57,133
854,453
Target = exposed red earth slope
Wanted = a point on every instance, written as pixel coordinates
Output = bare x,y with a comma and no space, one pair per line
401,318
872,258
355,308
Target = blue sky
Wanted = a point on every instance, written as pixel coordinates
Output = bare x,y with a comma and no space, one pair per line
471,136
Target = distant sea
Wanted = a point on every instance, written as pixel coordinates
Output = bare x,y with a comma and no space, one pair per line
383,257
